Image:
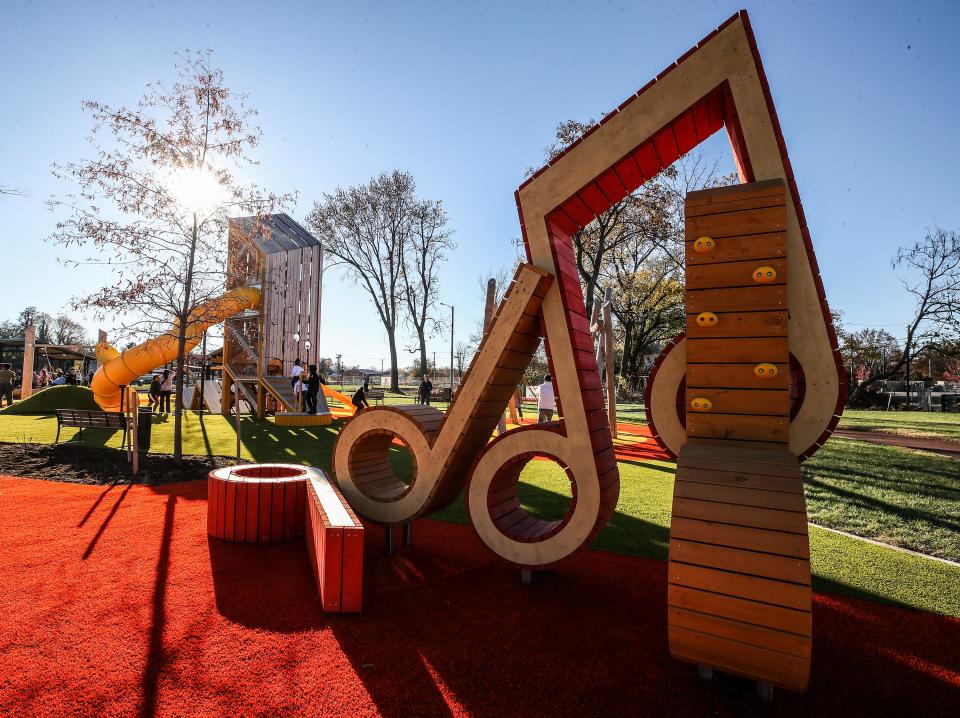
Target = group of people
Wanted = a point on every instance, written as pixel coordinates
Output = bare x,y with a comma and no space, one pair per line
306,382
161,389
10,380
58,377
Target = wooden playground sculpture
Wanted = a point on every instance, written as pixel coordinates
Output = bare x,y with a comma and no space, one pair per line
761,362
448,448
755,385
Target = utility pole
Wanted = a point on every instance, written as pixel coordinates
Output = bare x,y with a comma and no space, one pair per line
908,367
451,346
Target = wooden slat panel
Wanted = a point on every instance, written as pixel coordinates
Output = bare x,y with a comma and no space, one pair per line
771,660
707,472
714,195
734,376
741,248
740,609
743,427
749,516
751,350
741,495
789,643
740,324
726,452
752,588
782,568
732,274
755,221
730,664
767,402
740,299
735,205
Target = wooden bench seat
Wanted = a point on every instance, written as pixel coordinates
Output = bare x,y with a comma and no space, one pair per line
263,503
335,538
86,419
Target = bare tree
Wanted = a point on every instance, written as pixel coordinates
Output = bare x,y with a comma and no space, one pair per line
366,229
426,250
68,331
933,278
165,169
41,321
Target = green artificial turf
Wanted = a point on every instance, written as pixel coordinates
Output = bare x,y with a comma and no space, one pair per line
47,400
640,526
918,424
890,494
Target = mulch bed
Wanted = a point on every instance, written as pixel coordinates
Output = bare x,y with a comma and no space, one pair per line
85,465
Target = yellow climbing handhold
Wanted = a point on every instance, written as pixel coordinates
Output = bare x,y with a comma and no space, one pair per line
766,371
764,275
703,245
701,404
707,319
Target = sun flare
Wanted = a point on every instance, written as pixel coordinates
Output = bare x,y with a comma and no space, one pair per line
197,189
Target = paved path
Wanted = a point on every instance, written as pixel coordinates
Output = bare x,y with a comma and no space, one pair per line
937,446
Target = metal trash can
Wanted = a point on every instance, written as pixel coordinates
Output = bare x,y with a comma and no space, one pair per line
144,427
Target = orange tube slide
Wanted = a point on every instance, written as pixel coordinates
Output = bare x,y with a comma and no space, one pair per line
121,369
342,398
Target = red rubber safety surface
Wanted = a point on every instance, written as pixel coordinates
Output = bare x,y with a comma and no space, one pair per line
116,603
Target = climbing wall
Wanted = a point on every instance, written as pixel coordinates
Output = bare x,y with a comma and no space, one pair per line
739,573
736,303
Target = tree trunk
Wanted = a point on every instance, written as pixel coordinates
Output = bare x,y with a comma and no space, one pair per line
394,373
423,352
178,399
181,347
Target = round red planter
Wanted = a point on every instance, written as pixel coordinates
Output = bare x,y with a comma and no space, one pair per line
258,503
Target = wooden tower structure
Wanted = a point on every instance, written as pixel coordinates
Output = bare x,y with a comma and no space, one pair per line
284,261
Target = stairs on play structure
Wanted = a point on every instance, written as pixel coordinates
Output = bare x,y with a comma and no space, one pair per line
281,390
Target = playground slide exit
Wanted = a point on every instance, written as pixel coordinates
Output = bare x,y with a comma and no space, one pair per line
342,398
122,368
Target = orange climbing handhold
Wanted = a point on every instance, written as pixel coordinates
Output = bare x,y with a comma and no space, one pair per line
701,404
764,275
766,371
703,245
707,319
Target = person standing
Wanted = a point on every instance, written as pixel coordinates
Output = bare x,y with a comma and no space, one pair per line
7,377
546,400
313,388
295,374
166,389
425,390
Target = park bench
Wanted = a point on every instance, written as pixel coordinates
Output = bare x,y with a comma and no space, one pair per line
85,419
375,395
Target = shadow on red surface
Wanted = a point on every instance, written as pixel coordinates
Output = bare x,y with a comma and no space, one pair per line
161,620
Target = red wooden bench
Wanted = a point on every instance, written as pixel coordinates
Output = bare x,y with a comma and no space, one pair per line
262,503
335,544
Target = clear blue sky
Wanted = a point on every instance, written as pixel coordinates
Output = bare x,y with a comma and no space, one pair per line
465,96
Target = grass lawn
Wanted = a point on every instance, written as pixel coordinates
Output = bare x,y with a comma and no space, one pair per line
898,496
917,424
640,526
